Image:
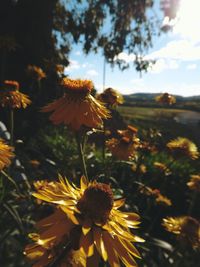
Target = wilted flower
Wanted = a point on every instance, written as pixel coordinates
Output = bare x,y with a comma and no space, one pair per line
186,227
77,107
111,97
11,97
6,154
166,99
87,220
194,182
36,73
123,148
183,147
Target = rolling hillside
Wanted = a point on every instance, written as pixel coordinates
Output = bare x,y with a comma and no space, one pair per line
148,100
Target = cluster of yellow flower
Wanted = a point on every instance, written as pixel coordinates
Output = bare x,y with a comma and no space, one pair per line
187,229
6,154
159,198
11,97
124,147
166,99
87,224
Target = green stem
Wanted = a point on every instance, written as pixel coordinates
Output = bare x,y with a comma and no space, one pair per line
11,126
11,180
81,154
193,200
165,178
103,144
172,255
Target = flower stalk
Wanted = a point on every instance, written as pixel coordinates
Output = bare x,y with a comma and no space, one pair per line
11,126
80,141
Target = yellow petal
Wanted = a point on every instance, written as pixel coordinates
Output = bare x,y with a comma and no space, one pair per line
112,256
97,235
84,183
130,248
87,245
86,226
124,255
119,203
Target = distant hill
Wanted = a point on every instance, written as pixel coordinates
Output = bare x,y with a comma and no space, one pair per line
148,100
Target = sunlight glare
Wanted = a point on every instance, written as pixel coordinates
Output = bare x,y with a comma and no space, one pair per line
188,19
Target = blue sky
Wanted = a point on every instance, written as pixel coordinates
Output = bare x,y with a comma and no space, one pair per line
177,54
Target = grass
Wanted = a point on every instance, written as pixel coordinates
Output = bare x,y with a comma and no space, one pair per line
148,113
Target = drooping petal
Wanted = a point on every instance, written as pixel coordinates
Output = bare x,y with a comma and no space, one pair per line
86,244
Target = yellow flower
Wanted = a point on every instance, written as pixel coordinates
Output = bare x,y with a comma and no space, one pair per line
40,184
186,227
123,149
194,182
11,97
166,99
130,132
36,73
6,154
146,147
162,167
163,200
159,198
183,147
89,220
77,107
111,97
9,86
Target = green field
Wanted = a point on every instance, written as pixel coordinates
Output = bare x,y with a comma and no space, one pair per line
172,122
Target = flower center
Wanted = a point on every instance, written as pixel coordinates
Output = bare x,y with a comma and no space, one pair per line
190,227
77,87
96,202
9,86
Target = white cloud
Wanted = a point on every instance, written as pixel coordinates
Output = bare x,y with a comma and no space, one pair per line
138,82
184,89
177,50
78,53
137,86
92,72
73,65
87,65
188,20
163,64
191,66
125,57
